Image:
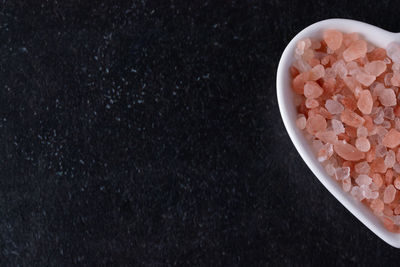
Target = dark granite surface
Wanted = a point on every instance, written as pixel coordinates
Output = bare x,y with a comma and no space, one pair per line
147,133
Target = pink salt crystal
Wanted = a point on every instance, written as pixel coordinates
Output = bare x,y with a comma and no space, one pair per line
302,65
380,151
351,118
348,152
351,83
317,72
389,194
300,47
339,67
333,106
396,167
333,39
312,89
365,102
396,183
377,205
315,44
362,131
327,136
379,117
317,145
330,169
315,124
391,139
356,50
311,103
387,79
386,124
357,193
346,184
388,113
373,195
301,122
362,167
365,79
393,51
395,80
325,152
390,159
342,173
363,144
376,88
337,126
375,68
387,97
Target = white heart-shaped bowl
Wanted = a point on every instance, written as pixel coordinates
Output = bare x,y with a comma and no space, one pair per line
376,36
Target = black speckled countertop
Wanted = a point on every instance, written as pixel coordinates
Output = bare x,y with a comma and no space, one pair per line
148,134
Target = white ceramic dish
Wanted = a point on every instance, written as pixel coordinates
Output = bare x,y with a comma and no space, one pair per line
376,36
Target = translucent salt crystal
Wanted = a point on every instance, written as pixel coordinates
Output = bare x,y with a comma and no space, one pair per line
357,91
388,113
311,103
365,79
396,183
356,193
339,67
362,167
390,159
387,97
396,167
348,151
396,67
301,122
379,117
330,73
302,65
317,145
363,144
377,205
391,139
362,131
373,195
389,194
337,126
325,152
397,123
387,79
396,220
370,47
376,88
300,47
381,131
342,173
330,169
333,106
365,101
307,42
363,179
315,44
317,72
346,184
351,118
313,90
386,124
365,191
393,51
315,123
357,49
333,39
374,139
375,68
380,151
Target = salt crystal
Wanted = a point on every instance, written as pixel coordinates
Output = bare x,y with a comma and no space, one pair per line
396,67
300,47
396,167
375,68
380,151
333,106
362,167
351,118
301,122
365,79
346,184
330,169
387,79
386,124
391,139
363,144
365,101
397,123
387,97
362,131
325,152
317,72
337,126
357,49
342,173
376,88
313,90
390,159
389,194
317,145
311,103
388,113
396,183
357,193
333,39
377,205
393,51
379,117
315,124
339,67
302,65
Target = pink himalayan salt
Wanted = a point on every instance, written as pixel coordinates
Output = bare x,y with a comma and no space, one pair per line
375,68
363,179
342,173
362,167
348,152
301,122
386,124
388,113
337,126
351,118
362,131
315,124
380,151
387,97
311,103
365,79
389,194
396,183
356,50
325,152
363,144
333,39
327,137
312,89
365,102
391,139
317,72
346,184
387,79
390,159
395,80
357,193
330,169
333,106
377,205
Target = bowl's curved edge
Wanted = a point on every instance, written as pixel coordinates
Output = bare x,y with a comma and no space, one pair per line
356,208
